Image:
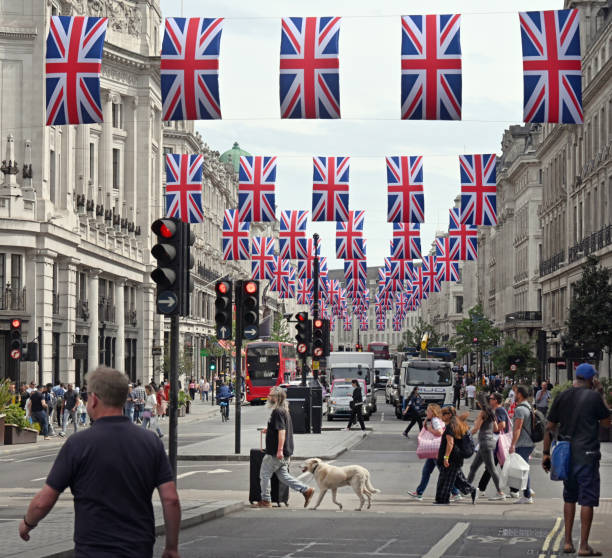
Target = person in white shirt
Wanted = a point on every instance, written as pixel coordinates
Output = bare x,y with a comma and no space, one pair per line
471,394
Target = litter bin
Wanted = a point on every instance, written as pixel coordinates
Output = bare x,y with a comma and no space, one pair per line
316,408
298,398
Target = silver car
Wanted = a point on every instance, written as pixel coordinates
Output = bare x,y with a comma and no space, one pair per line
339,402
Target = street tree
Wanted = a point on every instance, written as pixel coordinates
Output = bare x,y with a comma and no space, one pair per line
280,330
412,337
475,327
590,312
513,352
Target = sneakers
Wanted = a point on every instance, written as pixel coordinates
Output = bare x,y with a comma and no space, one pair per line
524,500
308,494
514,494
498,496
456,498
62,434
474,495
415,495
262,504
405,434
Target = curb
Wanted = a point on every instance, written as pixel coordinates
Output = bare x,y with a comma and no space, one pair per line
187,522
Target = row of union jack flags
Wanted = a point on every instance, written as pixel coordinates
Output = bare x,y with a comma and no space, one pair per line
309,73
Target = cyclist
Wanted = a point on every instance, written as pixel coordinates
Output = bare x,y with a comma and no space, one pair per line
224,394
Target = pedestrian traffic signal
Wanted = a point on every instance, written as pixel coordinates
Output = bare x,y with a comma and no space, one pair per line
223,309
15,340
249,309
320,337
303,336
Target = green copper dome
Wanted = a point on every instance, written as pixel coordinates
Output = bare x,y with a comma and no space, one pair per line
233,155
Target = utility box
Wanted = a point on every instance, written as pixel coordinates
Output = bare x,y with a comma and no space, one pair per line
316,408
298,398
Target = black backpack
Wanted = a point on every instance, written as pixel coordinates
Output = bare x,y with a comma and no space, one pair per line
466,445
538,424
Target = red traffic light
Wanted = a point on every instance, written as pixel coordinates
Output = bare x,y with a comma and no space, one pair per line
301,316
15,323
250,287
223,287
166,228
318,324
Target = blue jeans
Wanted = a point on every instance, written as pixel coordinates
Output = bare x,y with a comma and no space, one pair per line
271,465
41,418
428,468
525,452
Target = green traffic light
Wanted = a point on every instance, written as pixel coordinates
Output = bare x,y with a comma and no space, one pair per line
212,366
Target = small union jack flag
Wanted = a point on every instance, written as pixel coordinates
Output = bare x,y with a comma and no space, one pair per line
394,281
262,257
552,70
292,230
431,282
467,236
406,243
304,291
347,323
421,289
309,67
350,244
256,188
280,274
381,322
478,189
406,200
356,274
235,234
184,187
72,69
406,269
364,323
447,266
190,68
288,286
397,323
431,67
330,188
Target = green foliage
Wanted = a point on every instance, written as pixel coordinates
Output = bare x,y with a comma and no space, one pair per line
16,415
185,363
475,325
512,348
280,330
590,312
5,395
182,398
557,390
412,337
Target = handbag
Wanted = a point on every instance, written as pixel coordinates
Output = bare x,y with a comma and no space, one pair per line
504,441
428,444
561,454
147,413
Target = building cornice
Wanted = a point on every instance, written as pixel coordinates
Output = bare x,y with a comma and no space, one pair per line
18,33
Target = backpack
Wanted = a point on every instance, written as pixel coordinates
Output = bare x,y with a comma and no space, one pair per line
538,424
466,445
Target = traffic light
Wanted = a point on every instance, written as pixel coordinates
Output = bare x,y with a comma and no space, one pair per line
187,262
15,340
320,337
359,347
212,366
303,336
475,341
227,362
223,309
248,306
30,352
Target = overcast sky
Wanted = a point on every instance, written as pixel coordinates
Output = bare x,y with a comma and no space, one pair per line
370,128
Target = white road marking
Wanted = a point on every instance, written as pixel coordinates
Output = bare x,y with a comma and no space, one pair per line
10,519
217,471
39,479
33,458
382,417
438,549
188,474
382,547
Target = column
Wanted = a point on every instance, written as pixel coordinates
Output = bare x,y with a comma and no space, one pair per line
105,152
81,161
148,321
120,322
67,299
44,310
93,355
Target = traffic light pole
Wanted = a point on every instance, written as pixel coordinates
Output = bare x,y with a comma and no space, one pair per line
315,305
238,391
174,359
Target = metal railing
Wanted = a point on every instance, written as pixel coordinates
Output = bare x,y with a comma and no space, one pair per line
106,311
131,318
589,244
552,264
524,316
13,299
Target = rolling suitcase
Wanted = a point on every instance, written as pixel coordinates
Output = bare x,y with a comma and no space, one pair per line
279,492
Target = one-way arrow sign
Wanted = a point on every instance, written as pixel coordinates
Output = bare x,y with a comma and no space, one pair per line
167,302
250,332
224,333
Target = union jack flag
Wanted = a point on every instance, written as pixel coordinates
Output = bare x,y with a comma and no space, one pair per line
235,234
330,188
394,281
467,236
406,243
431,67
190,68
478,189
552,70
292,230
381,322
333,291
347,323
447,247
350,244
262,256
356,274
288,286
406,269
184,187
309,67
447,266
406,200
280,274
256,188
304,291
431,283
72,69
397,323
364,324
421,289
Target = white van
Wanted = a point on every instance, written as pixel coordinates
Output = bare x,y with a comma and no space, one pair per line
433,377
383,370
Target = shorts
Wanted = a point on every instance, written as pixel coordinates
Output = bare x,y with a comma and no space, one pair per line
583,485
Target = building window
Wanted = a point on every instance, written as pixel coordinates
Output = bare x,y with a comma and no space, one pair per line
2,270
116,168
16,272
117,116
168,150
52,175
458,305
92,160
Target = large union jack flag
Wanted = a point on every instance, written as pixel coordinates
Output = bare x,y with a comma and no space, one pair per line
256,180
406,243
406,200
72,69
431,283
262,257
467,236
447,266
309,67
419,285
552,71
190,68
478,189
292,230
406,269
356,275
350,244
330,188
235,235
184,187
431,67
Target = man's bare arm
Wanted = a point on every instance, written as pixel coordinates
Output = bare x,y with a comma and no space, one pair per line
39,507
171,506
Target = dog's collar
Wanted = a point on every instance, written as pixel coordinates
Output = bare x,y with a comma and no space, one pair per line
313,471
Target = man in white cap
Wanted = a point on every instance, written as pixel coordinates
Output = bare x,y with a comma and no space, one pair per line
578,412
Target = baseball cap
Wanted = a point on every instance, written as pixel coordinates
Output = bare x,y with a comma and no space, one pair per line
586,371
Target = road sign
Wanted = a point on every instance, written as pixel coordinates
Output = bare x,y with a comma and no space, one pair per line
250,332
315,364
203,352
15,354
224,332
513,367
167,302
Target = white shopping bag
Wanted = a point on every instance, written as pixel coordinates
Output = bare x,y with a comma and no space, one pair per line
515,472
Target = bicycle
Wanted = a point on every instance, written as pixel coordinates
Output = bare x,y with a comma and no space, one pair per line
224,409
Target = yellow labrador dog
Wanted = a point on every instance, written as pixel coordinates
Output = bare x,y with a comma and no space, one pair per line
330,477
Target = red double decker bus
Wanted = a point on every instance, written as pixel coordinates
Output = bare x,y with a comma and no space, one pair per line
269,364
380,350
